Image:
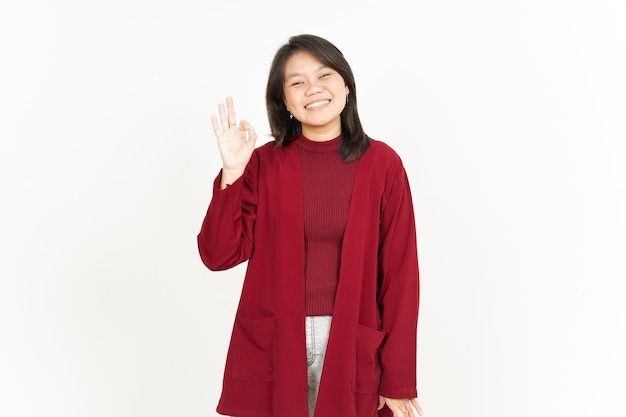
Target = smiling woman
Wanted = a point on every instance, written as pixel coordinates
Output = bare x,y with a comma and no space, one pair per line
315,96
327,319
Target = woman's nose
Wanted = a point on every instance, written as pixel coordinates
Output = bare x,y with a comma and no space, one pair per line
314,88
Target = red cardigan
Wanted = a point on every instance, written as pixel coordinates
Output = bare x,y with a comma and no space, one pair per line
372,342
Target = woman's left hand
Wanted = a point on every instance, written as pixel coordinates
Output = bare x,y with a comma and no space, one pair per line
401,407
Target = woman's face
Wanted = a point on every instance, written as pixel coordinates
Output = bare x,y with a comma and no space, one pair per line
315,95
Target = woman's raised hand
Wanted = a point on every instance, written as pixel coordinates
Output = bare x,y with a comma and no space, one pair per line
235,143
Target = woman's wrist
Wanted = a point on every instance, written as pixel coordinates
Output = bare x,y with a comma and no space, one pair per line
229,176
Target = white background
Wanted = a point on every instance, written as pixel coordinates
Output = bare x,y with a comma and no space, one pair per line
509,116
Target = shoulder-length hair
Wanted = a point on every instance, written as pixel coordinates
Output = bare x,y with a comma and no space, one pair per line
284,129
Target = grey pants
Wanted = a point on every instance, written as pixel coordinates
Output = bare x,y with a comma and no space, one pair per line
317,330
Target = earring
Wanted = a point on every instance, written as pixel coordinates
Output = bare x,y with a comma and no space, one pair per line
290,116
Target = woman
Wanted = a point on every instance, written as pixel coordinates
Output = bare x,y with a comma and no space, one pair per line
326,323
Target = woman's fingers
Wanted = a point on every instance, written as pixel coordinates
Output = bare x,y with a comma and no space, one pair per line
396,406
417,406
400,410
246,127
216,127
223,116
230,107
235,144
401,407
251,136
226,117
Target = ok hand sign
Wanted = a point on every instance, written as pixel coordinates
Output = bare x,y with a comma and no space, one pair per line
235,144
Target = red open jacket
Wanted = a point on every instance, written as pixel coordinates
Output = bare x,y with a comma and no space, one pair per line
372,343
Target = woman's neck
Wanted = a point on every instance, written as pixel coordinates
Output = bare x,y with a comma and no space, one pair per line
321,134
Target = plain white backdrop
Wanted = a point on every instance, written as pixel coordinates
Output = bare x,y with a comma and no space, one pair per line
510,119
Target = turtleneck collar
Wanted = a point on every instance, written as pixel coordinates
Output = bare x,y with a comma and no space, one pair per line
327,146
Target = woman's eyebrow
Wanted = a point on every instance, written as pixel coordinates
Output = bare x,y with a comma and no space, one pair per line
296,74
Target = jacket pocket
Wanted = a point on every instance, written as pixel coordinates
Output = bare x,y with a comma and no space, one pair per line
253,349
367,369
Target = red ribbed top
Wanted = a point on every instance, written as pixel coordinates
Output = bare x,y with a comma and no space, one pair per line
327,186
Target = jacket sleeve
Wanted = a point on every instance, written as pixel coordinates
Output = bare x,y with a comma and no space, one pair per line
398,294
226,236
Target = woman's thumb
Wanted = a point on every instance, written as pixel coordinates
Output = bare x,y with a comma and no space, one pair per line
381,402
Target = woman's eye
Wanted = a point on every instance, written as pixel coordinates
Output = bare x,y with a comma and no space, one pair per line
296,83
325,75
